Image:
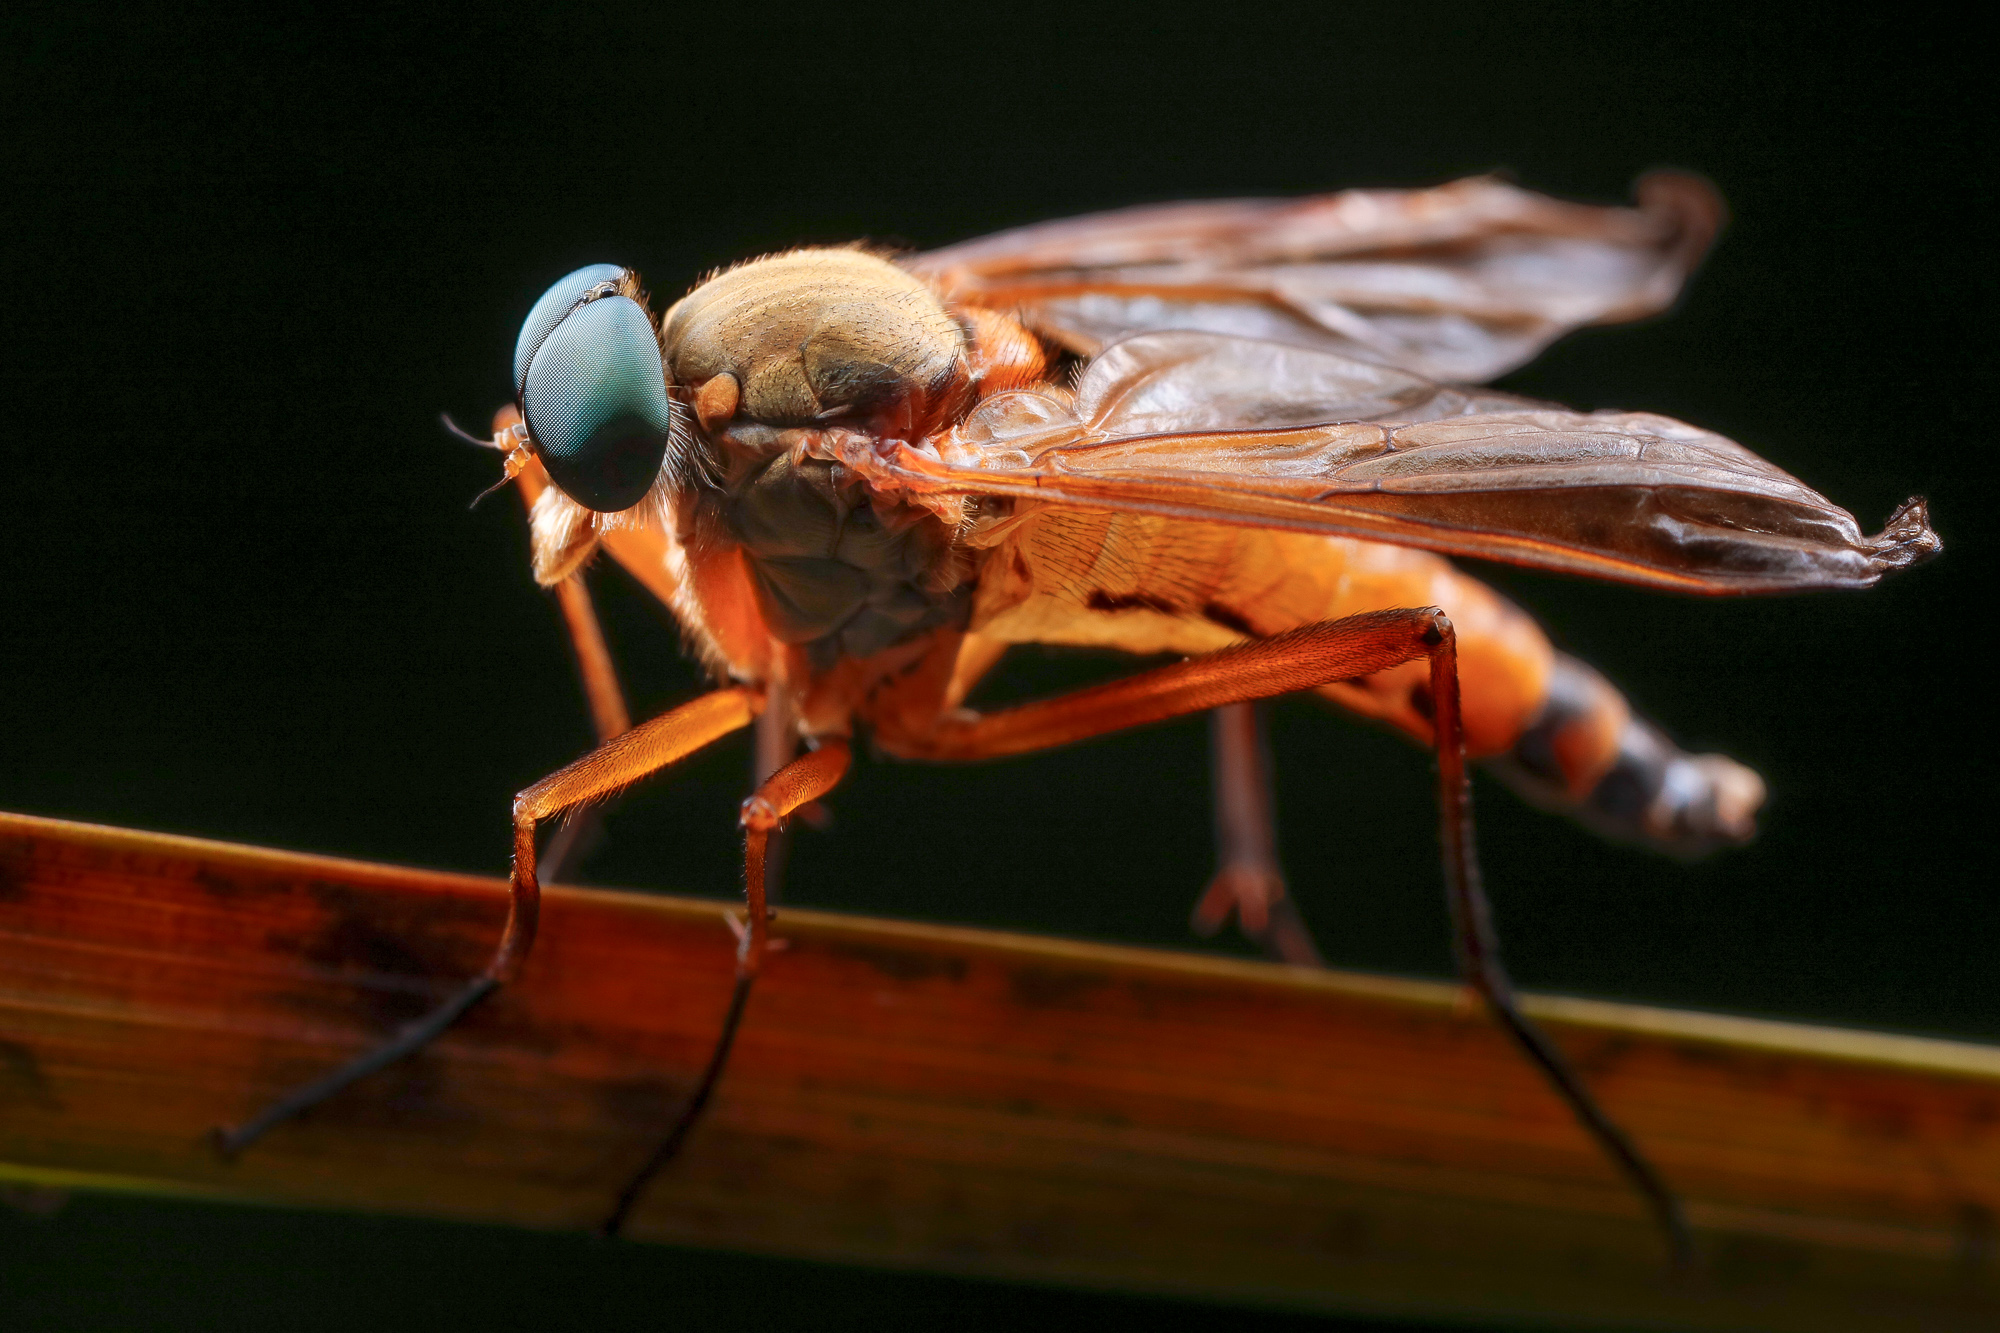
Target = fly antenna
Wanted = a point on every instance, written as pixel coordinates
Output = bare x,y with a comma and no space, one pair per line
452,427
499,485
511,467
516,451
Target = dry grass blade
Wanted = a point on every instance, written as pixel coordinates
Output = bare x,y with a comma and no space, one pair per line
974,1102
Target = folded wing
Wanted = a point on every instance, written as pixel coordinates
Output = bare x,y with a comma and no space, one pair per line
1460,283
1221,429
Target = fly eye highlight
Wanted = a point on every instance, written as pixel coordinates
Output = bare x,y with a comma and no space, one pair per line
593,391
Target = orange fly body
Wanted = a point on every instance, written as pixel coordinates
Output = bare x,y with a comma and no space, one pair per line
1245,434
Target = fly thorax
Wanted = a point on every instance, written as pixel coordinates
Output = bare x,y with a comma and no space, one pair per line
819,339
819,336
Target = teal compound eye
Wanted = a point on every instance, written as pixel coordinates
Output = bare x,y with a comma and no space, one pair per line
592,390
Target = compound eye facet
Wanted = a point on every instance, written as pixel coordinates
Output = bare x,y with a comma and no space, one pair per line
594,392
553,307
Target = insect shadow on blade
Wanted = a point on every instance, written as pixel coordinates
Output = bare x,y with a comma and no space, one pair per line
1242,433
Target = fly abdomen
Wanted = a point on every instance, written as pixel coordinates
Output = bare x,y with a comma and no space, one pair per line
1587,755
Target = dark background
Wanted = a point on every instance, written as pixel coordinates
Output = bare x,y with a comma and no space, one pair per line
248,261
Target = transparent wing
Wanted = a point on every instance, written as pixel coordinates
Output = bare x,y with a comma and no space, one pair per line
1459,283
1221,429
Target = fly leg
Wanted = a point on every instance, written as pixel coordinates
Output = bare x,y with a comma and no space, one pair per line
1248,879
777,744
1302,659
632,756
803,780
777,737
1477,946
580,835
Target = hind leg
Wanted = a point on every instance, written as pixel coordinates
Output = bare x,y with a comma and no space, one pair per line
1357,647
1249,881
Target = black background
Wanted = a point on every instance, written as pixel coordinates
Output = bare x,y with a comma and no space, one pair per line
248,261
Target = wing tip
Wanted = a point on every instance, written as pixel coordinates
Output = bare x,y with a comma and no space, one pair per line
1906,539
1688,205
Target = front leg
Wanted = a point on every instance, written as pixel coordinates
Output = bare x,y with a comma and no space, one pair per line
625,760
608,715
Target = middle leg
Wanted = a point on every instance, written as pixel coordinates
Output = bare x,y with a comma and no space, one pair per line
776,744
805,779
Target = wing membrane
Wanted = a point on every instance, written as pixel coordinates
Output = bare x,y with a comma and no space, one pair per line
1361,450
1459,283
